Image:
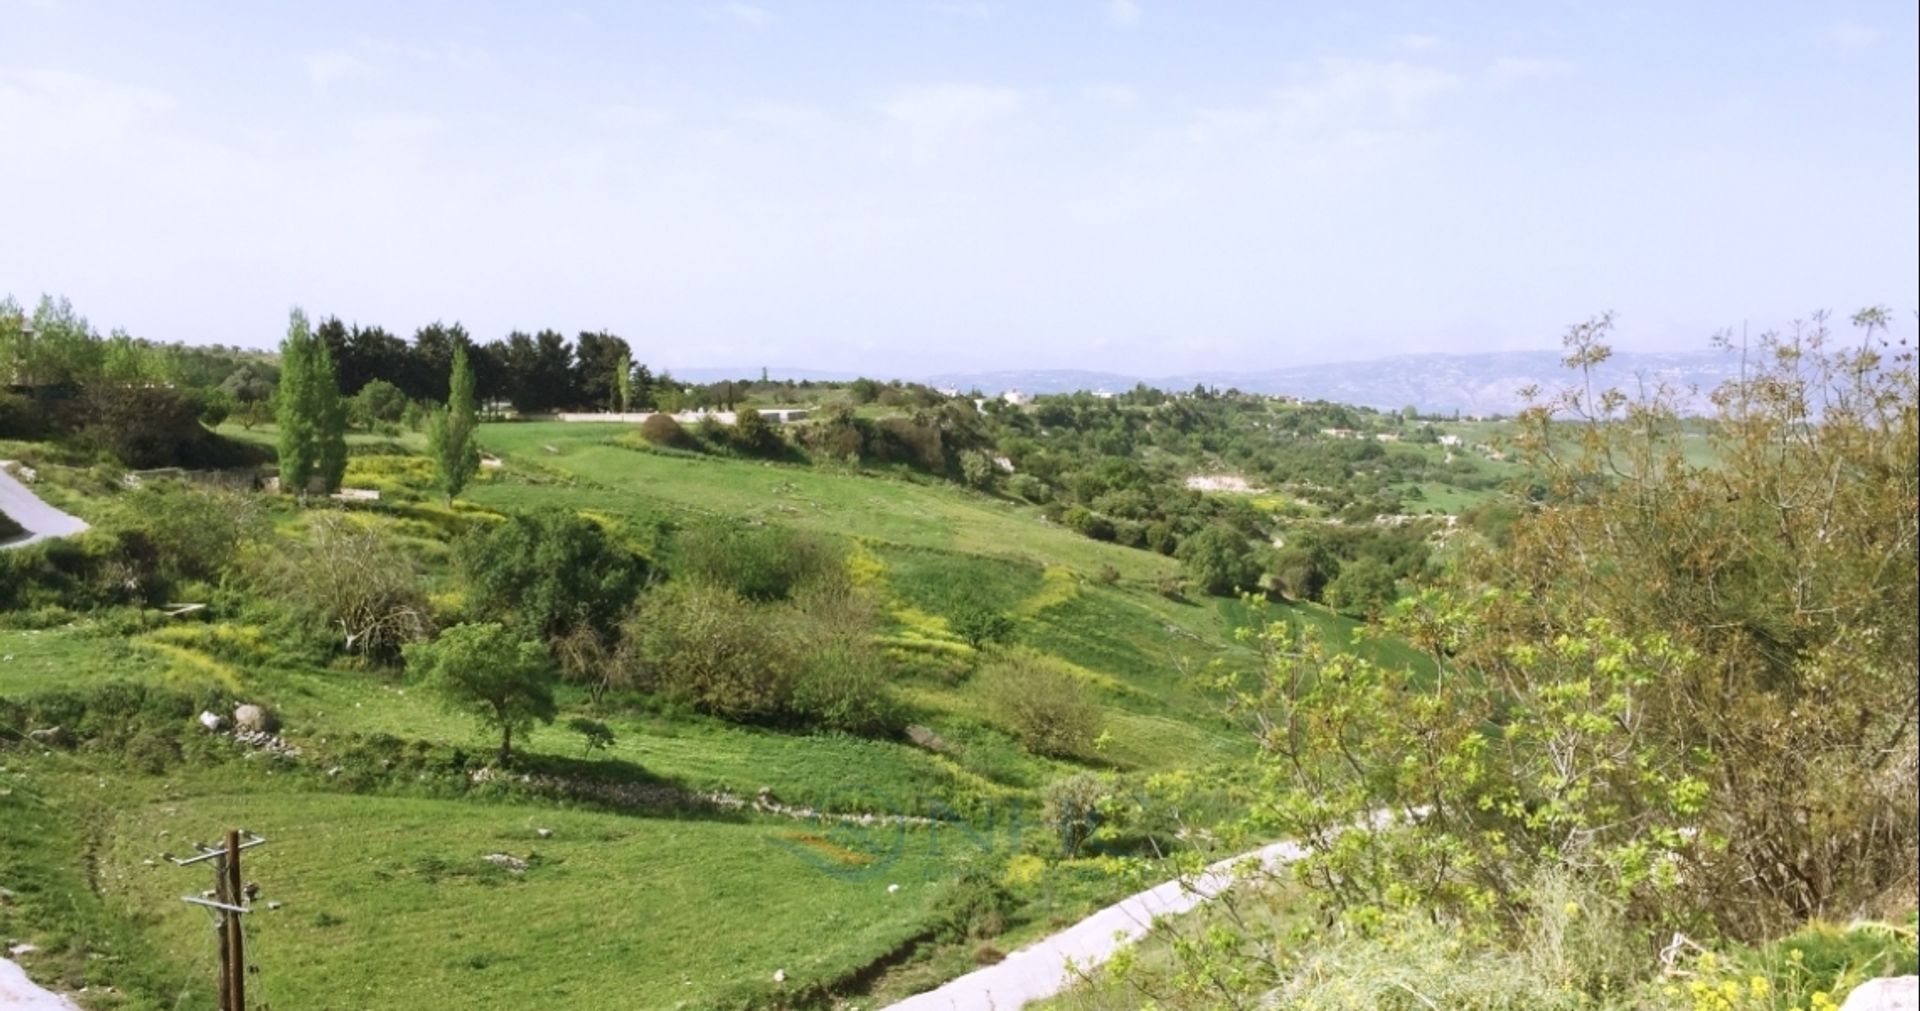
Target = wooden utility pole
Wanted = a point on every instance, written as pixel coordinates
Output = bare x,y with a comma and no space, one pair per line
229,904
236,943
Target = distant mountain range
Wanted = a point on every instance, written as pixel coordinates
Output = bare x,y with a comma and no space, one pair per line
1482,383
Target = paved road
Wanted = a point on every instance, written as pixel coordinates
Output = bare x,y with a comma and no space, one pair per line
40,519
1040,970
17,993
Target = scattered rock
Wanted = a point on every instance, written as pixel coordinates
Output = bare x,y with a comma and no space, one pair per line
56,737
254,719
6,897
544,833
263,741
893,889
508,861
779,975
276,905
213,721
22,948
1893,993
924,737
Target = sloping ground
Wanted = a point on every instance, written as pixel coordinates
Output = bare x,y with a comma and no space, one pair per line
39,519
17,992
1049,966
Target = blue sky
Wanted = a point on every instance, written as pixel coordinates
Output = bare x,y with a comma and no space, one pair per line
917,185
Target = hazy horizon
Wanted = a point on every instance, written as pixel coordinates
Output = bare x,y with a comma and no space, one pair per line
1126,186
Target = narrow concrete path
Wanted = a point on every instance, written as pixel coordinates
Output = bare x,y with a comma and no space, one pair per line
40,519
1041,969
17,992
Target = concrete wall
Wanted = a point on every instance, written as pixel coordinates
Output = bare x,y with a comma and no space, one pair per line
778,417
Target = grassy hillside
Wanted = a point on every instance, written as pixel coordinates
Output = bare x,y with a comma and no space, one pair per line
579,465
380,832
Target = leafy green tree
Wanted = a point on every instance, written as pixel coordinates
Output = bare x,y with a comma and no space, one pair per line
1364,588
754,435
977,469
450,442
382,401
594,734
489,672
1220,561
248,383
551,571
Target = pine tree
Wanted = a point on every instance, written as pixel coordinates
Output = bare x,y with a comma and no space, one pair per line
450,438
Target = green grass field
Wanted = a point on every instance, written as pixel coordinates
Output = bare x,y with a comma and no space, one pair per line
390,902
387,895
896,510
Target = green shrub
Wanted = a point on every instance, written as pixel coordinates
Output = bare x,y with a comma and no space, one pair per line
753,435
843,685
981,625
1042,702
1087,523
1071,807
1220,561
550,571
758,562
661,430
1028,487
9,529
1364,588
706,645
345,577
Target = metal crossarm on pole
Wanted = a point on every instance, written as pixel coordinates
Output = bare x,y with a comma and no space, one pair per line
228,903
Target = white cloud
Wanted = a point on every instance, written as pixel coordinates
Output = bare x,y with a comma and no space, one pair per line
974,9
58,109
942,118
1125,13
331,66
631,117
748,14
1350,106
1111,94
1851,35
1515,69
1414,43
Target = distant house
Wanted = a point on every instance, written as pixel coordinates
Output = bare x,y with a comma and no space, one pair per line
1449,440
1338,433
1103,394
1017,398
1386,437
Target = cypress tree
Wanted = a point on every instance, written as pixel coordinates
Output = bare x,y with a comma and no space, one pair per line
330,410
311,414
293,407
450,438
